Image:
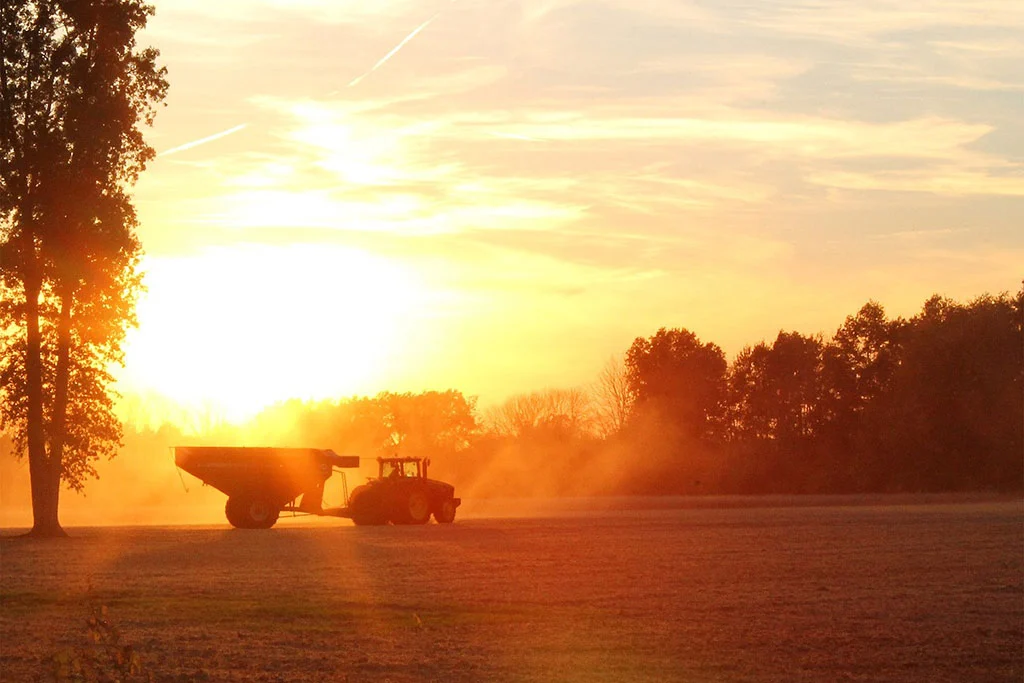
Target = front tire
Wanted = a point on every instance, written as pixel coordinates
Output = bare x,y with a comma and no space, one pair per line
445,512
415,509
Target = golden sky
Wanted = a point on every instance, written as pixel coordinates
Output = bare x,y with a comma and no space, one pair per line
522,188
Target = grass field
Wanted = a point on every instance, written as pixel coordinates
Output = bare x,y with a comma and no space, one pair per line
931,592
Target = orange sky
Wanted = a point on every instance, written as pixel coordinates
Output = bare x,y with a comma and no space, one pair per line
524,187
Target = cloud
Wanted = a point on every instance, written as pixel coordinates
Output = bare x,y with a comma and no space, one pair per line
383,60
946,181
202,141
566,166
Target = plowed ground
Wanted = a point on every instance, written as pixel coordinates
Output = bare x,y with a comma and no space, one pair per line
868,593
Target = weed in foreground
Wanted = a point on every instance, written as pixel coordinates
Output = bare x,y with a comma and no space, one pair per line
104,659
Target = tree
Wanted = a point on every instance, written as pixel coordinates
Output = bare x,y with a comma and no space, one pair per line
952,419
428,424
776,396
860,359
74,95
613,398
858,365
431,423
552,413
676,377
777,389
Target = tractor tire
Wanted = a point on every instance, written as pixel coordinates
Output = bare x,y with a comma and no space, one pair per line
444,513
413,509
251,513
367,508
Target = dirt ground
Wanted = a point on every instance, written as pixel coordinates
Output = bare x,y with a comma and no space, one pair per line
928,592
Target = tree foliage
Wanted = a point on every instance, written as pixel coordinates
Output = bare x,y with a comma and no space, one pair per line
549,414
776,391
933,403
677,377
425,424
75,93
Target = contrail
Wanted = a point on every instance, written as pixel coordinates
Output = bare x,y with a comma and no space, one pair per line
202,141
391,54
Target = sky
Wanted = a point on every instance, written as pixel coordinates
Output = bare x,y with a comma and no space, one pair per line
498,196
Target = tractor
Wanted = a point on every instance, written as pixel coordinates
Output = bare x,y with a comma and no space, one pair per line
403,494
261,483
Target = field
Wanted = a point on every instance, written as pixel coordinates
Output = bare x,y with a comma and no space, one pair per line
881,592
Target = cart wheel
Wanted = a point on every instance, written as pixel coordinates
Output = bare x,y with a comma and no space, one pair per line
234,510
255,513
261,514
445,512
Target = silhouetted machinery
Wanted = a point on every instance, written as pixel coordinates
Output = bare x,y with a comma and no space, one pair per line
261,483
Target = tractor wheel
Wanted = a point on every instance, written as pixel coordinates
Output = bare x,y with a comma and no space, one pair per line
254,513
414,509
445,512
367,508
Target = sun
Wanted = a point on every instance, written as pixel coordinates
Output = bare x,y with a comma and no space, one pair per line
237,328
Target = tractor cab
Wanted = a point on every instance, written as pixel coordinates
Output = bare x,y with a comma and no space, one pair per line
403,468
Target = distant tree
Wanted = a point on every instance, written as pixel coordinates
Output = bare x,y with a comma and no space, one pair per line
541,443
860,359
778,388
953,418
552,413
613,397
858,365
432,423
74,94
678,378
776,394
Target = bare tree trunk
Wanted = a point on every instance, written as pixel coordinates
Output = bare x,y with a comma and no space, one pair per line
44,473
613,397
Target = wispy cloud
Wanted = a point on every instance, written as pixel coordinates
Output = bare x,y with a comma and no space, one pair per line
383,60
202,141
734,154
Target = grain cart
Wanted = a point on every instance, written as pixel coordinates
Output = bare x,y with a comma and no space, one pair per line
263,482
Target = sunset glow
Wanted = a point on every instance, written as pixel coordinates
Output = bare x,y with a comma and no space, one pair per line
512,340
496,197
238,327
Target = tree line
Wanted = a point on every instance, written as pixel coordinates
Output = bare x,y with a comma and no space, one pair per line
933,403
927,404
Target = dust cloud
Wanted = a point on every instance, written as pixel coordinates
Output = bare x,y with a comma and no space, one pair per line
496,473
142,485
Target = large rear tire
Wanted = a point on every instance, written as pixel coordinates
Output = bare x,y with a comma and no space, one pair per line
367,507
369,519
